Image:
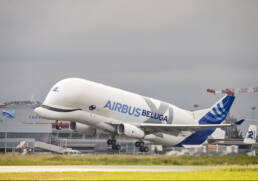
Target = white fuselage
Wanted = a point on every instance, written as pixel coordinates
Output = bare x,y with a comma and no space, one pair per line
79,93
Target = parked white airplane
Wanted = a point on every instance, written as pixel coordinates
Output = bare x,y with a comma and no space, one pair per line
89,106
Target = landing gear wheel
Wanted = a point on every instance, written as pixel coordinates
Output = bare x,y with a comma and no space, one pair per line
137,144
113,147
141,149
146,149
113,141
109,142
141,144
118,147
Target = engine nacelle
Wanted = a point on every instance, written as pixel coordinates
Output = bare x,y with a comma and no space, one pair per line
83,128
130,131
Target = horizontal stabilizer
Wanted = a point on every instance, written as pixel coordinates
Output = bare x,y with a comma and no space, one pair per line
239,122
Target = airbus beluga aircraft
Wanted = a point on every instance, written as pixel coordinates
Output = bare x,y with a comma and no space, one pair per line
90,106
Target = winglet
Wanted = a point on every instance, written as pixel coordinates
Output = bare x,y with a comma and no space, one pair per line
239,122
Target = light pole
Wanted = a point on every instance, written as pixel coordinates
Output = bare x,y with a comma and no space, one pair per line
253,111
5,133
195,106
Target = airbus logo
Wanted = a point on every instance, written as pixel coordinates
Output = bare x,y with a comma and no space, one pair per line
154,115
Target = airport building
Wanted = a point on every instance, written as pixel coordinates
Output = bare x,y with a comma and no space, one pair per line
19,123
20,126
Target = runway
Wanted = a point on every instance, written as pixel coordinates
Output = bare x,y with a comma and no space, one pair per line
98,168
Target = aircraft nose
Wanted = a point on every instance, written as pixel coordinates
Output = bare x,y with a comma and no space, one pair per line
38,111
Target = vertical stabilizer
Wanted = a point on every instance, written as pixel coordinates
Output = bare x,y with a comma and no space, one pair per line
219,111
213,115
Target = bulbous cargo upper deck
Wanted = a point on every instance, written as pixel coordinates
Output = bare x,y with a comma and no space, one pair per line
79,94
69,94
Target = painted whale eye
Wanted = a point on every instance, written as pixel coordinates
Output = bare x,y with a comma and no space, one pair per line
92,107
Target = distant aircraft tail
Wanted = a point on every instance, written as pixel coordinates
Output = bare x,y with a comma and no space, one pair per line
250,137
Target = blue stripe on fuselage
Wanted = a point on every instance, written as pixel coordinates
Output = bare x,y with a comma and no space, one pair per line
197,138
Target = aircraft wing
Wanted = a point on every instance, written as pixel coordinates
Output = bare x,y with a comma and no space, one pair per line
170,128
178,127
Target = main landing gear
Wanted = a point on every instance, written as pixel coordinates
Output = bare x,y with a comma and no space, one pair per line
141,146
115,146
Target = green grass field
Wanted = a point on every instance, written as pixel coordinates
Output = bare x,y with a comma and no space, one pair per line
91,159
226,174
246,167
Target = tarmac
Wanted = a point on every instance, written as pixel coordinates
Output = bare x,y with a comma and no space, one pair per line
80,168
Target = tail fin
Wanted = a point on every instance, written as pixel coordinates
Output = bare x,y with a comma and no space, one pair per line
250,137
214,115
219,111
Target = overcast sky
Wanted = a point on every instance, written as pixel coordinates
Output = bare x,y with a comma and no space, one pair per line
170,50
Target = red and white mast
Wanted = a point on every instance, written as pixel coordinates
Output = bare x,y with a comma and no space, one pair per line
233,90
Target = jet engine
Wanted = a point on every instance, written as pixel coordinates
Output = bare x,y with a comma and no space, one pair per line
83,128
130,131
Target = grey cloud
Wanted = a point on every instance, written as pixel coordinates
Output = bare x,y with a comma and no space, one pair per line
171,50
